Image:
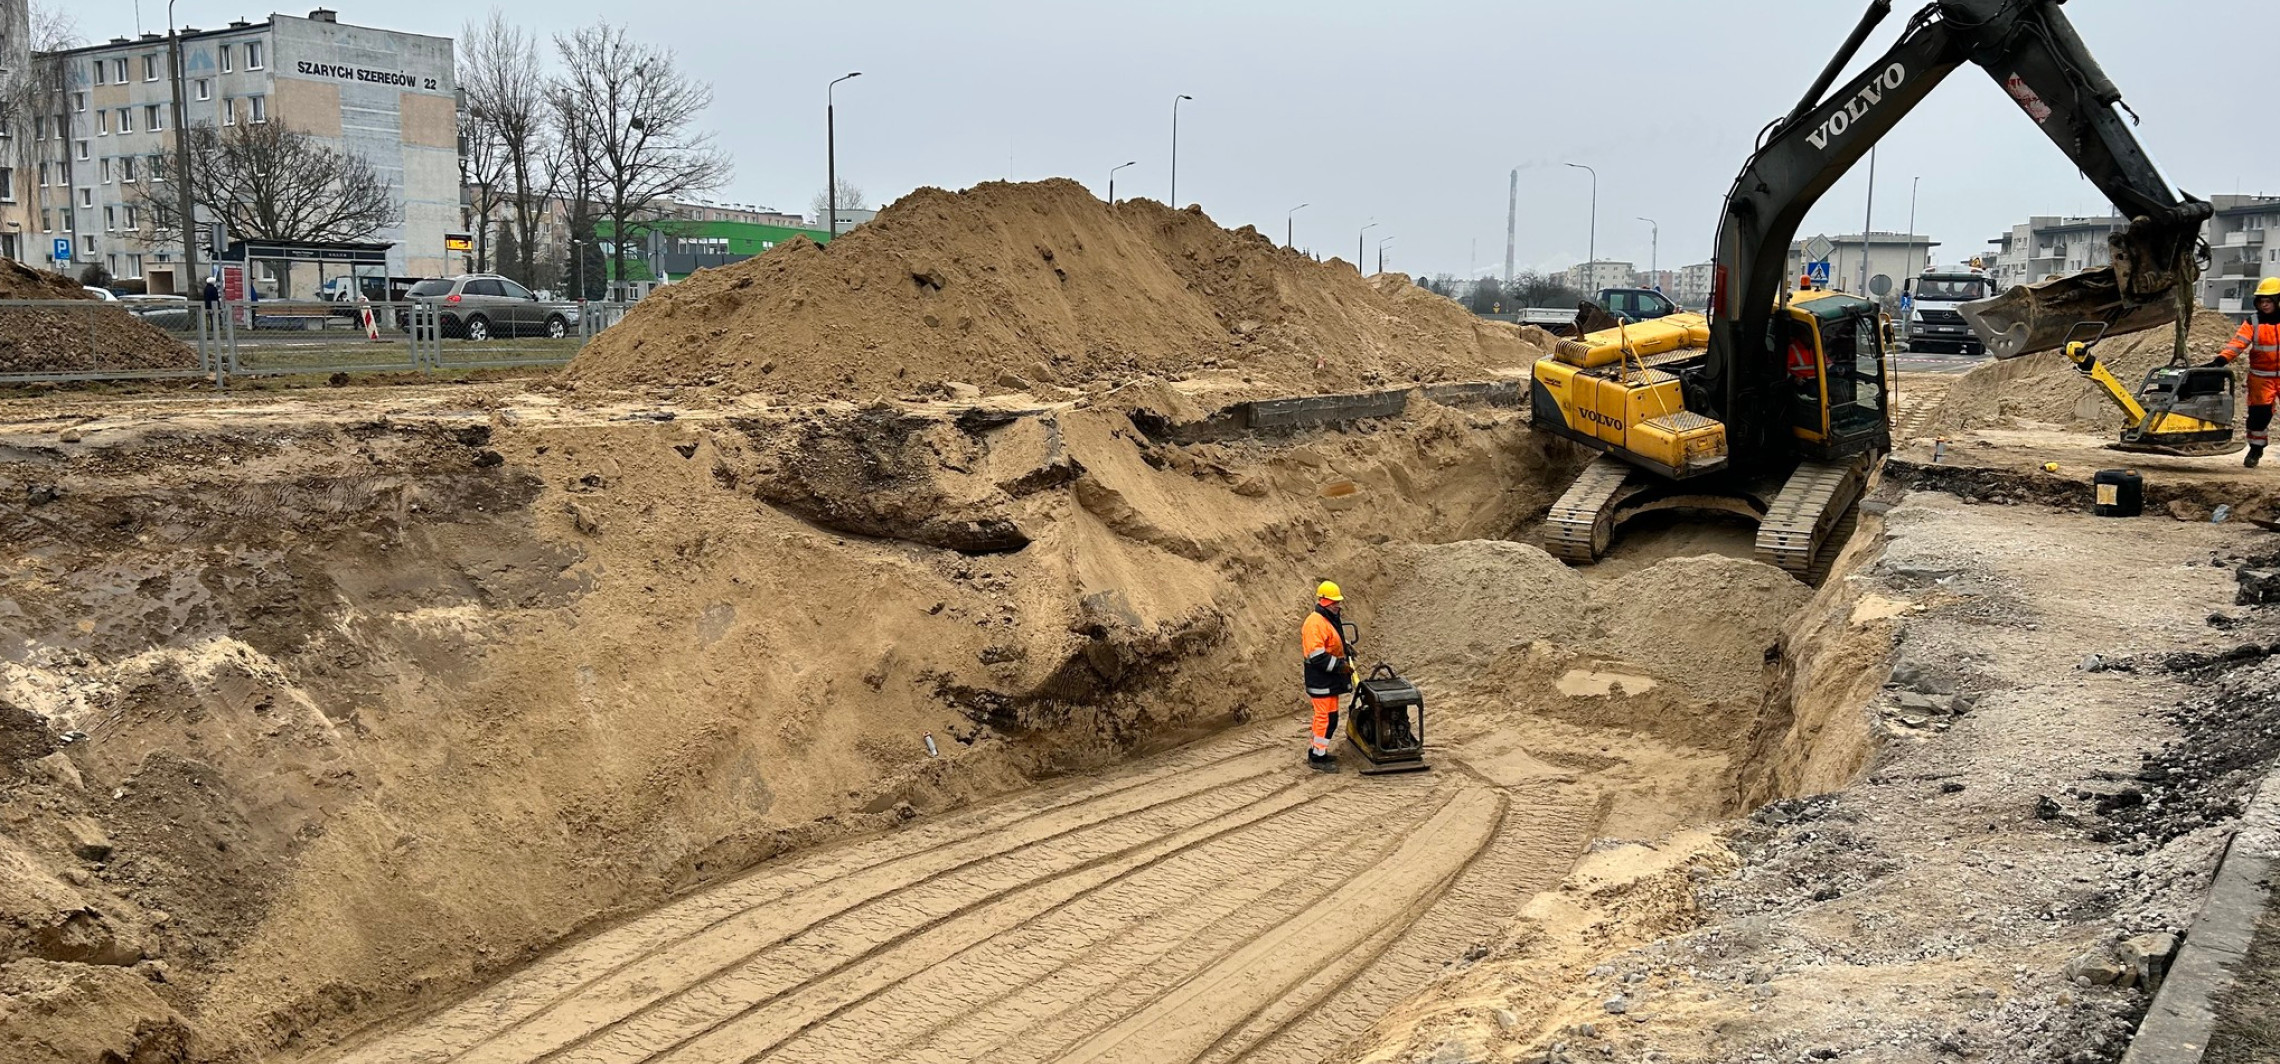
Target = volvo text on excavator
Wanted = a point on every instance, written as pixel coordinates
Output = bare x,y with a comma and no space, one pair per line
1774,405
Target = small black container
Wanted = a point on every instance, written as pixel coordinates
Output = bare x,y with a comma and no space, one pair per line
2121,493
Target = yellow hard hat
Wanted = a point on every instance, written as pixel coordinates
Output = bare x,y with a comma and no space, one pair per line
1328,590
2270,286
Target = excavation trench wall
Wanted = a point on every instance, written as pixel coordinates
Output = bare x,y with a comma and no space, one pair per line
375,710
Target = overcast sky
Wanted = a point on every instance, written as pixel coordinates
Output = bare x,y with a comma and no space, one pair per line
1411,115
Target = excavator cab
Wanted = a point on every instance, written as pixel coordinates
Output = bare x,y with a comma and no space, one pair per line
1838,409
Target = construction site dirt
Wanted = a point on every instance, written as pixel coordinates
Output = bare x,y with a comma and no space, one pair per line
561,719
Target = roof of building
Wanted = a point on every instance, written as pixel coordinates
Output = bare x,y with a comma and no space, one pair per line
192,33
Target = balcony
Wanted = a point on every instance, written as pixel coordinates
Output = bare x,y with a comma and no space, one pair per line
2247,268
2231,306
2244,238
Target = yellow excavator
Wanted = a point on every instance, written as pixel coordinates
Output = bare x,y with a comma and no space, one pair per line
1773,406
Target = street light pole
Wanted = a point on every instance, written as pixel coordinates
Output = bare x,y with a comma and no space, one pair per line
189,274
1112,180
831,153
1287,230
1175,204
1594,253
1654,253
1382,242
1360,242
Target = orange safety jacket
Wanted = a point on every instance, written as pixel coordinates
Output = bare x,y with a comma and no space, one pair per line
2262,345
1801,362
1325,653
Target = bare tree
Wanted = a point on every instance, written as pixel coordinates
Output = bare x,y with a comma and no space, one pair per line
633,113
35,93
850,199
268,182
506,99
482,172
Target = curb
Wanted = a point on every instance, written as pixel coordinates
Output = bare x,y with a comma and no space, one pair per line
2177,1026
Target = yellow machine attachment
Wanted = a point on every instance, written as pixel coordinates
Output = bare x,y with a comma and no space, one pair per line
2181,410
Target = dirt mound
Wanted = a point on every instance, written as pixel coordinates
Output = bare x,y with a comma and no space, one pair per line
1458,604
2046,387
100,336
1013,286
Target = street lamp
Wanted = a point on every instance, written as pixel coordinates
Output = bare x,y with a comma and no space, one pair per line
1654,253
1359,244
1287,242
189,271
1112,180
1382,242
1594,253
831,153
1175,204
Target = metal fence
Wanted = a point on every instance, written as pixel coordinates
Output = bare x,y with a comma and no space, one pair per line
159,338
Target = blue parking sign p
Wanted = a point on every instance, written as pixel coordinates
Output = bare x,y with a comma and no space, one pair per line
62,249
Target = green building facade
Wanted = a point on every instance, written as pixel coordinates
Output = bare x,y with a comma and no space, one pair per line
672,248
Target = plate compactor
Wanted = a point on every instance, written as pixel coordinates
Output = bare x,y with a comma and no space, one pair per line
2179,410
1385,720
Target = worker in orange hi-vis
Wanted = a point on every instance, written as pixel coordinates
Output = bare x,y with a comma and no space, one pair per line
1329,672
2259,339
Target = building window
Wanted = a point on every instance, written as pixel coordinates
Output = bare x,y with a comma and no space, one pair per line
151,119
43,175
134,262
102,123
205,89
119,70
226,59
126,119
87,197
260,105
106,173
111,219
99,72
47,221
39,127
253,55
150,67
229,111
127,169
83,154
7,185
134,220
87,246
79,103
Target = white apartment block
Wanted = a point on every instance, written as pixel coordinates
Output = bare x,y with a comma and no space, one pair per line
1589,277
2244,248
384,95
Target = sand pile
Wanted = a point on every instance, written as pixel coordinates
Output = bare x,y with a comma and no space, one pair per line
1010,286
2046,387
103,336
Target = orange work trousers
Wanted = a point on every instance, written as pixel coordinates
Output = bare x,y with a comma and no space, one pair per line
1325,708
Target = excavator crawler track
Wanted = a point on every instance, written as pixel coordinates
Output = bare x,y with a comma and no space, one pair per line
1809,517
1582,522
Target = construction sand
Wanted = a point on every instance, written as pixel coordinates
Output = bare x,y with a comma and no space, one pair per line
96,338
1011,287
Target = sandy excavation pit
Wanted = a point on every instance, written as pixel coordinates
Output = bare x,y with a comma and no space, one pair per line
591,720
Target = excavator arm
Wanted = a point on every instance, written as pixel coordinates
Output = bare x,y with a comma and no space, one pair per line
2032,51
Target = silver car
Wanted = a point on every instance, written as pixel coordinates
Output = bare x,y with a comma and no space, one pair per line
479,306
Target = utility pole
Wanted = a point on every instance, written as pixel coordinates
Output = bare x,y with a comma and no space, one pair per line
1381,253
182,201
831,155
1175,204
1866,215
1511,223
1594,253
1287,229
1360,243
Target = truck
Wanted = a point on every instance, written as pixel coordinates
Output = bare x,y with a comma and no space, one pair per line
1629,305
1934,322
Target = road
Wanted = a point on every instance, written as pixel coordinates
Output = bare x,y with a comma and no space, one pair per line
1218,904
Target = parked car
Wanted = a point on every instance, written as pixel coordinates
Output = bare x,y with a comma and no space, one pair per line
479,306
166,312
103,294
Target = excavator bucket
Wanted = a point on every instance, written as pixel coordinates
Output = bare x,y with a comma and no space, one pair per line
2037,317
2149,285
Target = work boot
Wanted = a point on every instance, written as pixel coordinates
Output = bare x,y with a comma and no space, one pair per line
2255,455
1321,762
